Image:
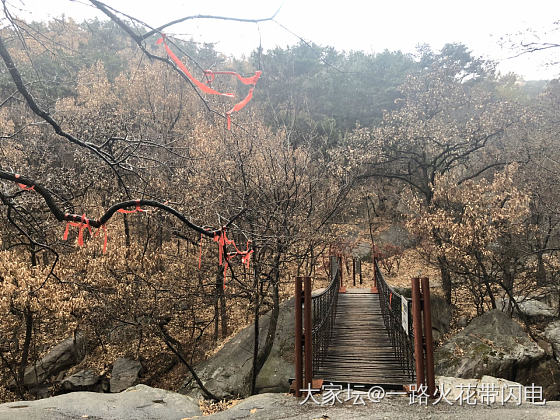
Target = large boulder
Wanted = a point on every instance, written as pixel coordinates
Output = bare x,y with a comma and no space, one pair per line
546,374
125,373
441,316
227,373
60,358
552,334
492,344
535,308
140,402
84,380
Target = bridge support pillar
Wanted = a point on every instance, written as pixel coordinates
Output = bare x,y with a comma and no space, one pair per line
423,340
307,323
418,334
430,376
298,338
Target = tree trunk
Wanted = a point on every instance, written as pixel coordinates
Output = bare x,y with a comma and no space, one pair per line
220,311
223,311
126,231
445,278
271,333
28,315
541,271
254,370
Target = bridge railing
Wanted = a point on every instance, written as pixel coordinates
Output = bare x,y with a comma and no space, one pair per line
397,317
323,317
314,334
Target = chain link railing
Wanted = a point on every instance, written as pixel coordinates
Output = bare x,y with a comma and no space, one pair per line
397,317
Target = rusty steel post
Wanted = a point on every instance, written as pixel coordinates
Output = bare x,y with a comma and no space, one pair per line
430,377
298,336
417,325
308,359
354,271
360,270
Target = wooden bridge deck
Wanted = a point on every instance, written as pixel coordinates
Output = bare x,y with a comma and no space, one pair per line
360,350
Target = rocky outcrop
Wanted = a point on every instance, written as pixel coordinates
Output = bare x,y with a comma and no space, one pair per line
125,373
144,403
140,402
552,334
60,358
494,344
545,373
441,316
535,308
227,373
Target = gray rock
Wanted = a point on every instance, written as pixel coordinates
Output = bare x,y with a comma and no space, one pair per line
552,334
140,402
143,403
84,380
546,346
441,316
227,373
492,344
60,358
463,321
536,308
545,373
125,373
282,406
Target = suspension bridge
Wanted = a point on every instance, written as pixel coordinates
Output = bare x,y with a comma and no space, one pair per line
362,337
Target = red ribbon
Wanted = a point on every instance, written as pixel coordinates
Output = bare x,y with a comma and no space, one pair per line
222,240
239,106
246,259
84,223
245,80
211,75
25,187
390,298
137,209
197,83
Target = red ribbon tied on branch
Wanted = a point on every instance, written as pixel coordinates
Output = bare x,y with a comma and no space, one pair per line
222,240
137,209
25,187
203,87
82,225
210,76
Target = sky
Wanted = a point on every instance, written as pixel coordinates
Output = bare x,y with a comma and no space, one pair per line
371,26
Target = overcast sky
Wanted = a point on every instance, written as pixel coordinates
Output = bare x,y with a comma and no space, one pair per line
372,26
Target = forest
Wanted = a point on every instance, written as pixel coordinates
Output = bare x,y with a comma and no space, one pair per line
155,221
